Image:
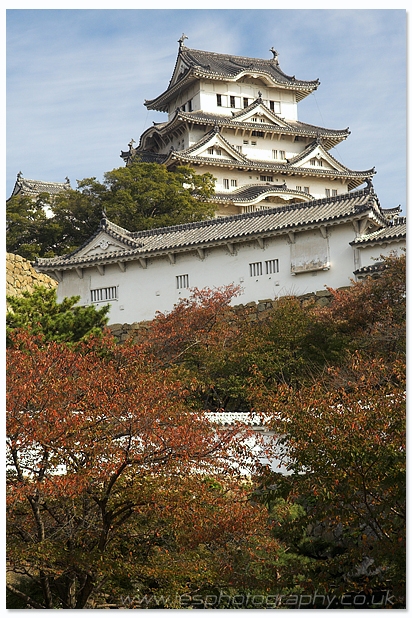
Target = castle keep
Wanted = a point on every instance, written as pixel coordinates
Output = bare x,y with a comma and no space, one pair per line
291,219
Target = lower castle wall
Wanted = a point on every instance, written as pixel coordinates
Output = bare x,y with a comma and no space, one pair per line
21,276
250,312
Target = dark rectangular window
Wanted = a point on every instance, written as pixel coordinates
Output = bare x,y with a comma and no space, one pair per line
182,281
245,102
103,294
190,105
232,102
258,133
255,269
272,266
275,106
219,100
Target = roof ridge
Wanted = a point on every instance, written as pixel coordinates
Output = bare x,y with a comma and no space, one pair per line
230,57
251,215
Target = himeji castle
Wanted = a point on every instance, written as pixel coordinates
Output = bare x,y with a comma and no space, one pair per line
291,219
237,118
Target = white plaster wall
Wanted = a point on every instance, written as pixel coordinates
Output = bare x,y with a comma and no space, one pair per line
367,256
141,292
317,186
208,101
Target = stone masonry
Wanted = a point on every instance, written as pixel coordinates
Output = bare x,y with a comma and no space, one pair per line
21,276
250,312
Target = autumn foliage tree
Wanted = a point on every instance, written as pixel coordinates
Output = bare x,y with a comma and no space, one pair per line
343,439
119,485
87,428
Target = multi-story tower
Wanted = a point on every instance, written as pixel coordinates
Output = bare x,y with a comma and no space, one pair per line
237,118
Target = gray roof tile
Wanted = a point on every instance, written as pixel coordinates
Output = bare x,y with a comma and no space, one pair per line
228,229
211,65
32,188
394,231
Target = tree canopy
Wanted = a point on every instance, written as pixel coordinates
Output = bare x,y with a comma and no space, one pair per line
92,438
123,493
39,312
137,197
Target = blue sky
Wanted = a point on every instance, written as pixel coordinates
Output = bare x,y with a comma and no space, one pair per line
77,81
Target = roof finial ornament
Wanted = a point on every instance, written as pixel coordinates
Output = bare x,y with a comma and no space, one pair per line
259,96
275,55
20,175
181,41
132,150
67,179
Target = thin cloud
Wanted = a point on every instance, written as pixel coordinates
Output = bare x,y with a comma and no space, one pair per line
77,81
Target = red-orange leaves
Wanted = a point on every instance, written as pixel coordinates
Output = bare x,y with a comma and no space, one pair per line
84,425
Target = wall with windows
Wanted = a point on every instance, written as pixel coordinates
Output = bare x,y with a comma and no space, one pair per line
223,98
262,272
228,180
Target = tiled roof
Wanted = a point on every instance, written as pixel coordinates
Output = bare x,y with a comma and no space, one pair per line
394,231
311,147
248,193
187,157
327,211
211,65
330,137
378,267
143,156
32,188
228,65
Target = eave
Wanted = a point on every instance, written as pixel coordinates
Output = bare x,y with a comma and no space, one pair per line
354,178
330,137
351,207
161,103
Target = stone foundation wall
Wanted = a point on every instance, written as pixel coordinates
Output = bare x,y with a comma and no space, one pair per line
21,276
251,312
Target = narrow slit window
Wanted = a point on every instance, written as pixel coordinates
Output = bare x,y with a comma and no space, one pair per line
182,282
103,294
255,269
272,266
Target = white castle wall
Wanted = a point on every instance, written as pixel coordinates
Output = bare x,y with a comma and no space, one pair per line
143,291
